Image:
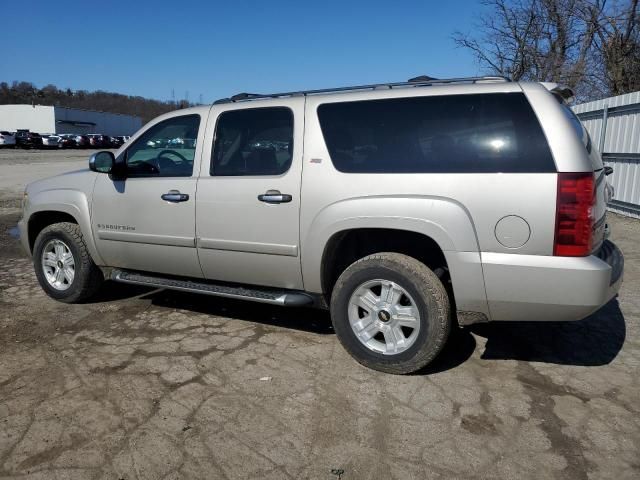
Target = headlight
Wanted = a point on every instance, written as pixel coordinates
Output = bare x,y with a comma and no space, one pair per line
25,199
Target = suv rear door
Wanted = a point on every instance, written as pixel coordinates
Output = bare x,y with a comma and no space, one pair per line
247,212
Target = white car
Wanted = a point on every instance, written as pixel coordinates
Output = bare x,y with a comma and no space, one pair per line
50,140
7,139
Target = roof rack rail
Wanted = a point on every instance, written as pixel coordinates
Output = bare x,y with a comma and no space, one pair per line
421,81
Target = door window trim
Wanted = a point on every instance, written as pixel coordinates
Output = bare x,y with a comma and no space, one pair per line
215,137
124,156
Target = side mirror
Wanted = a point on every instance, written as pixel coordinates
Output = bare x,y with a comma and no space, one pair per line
102,162
608,170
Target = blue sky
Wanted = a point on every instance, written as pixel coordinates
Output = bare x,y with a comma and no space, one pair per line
217,48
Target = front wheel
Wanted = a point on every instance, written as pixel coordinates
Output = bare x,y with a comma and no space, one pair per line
63,265
391,312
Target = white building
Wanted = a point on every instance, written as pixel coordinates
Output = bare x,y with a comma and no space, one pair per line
47,119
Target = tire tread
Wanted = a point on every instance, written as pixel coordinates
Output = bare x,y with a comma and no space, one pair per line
94,277
430,285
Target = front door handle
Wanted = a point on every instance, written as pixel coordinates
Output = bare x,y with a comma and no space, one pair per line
174,196
274,196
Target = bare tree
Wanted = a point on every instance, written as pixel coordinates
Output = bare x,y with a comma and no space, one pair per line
618,47
587,44
503,45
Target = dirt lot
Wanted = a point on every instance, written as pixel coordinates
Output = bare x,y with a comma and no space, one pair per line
160,385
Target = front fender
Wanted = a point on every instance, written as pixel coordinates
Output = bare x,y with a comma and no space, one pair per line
445,221
71,202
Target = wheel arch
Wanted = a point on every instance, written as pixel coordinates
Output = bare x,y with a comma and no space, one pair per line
56,206
441,230
40,220
346,246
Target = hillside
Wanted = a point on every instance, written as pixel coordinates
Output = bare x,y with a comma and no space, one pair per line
26,92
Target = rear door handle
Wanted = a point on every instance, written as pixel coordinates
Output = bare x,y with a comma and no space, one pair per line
274,196
174,196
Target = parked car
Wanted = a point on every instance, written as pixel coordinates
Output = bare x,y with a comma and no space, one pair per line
97,140
107,141
67,140
405,211
176,142
50,140
7,139
82,141
27,139
158,143
120,140
117,142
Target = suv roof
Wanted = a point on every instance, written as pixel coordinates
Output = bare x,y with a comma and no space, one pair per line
421,81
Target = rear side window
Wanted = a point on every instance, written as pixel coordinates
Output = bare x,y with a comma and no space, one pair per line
482,133
582,133
255,141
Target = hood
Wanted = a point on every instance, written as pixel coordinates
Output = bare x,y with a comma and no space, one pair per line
79,180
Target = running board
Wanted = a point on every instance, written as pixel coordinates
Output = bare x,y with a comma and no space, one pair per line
275,297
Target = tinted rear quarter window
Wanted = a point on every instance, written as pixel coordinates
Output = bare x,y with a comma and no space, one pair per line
477,133
582,134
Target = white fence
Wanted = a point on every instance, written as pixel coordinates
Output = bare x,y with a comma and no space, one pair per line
614,126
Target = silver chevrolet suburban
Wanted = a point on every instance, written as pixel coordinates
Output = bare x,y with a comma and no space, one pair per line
404,208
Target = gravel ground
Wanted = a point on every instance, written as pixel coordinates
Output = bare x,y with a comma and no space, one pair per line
143,384
19,167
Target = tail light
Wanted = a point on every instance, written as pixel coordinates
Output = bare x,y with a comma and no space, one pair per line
574,214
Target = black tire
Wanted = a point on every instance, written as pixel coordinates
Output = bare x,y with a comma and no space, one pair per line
88,277
428,293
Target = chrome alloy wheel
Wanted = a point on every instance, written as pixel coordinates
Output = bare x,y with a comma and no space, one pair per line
58,264
384,317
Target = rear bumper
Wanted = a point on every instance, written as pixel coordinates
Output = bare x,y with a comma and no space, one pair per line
533,287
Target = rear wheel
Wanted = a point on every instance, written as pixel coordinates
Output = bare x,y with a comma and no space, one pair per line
391,313
63,265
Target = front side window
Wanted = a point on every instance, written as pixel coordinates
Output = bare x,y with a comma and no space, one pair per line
478,133
256,141
165,150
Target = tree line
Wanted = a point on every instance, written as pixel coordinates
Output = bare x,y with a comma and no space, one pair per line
26,92
593,46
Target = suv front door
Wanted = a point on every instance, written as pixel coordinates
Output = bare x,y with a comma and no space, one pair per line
146,221
248,204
